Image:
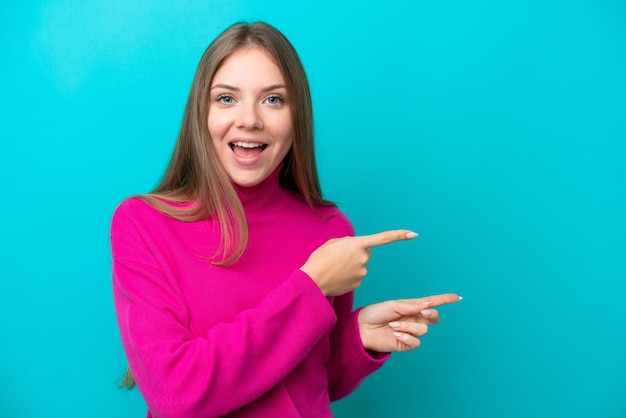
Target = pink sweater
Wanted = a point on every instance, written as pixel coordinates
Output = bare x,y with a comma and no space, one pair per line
255,339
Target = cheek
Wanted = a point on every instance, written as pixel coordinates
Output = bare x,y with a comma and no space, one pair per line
285,137
283,129
216,126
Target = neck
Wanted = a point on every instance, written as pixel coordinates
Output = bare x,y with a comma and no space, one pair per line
261,196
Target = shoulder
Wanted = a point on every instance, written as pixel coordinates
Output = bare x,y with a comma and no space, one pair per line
136,212
133,209
150,206
129,219
334,216
294,212
131,204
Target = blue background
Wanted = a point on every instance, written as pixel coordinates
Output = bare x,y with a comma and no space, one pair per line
494,129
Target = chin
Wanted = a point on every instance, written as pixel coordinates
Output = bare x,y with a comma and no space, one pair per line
247,181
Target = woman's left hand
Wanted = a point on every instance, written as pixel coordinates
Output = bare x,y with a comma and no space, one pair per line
397,325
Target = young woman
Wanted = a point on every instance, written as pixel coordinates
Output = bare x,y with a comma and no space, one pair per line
233,280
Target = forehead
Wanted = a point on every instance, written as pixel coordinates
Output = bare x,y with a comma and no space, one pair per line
248,66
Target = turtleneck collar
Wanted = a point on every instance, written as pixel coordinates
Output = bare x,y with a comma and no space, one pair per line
263,195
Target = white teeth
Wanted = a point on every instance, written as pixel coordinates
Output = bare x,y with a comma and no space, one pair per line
247,144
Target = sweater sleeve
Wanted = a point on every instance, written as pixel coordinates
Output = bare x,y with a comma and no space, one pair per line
184,375
349,363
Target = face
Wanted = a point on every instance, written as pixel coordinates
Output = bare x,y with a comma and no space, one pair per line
249,118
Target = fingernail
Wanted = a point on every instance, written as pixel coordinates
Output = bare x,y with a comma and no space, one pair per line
460,298
411,235
394,324
426,312
397,334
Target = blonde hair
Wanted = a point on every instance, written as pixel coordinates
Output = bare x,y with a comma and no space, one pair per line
194,174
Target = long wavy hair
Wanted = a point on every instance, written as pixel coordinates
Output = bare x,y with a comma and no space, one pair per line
195,176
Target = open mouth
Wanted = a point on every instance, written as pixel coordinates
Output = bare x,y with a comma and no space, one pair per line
247,149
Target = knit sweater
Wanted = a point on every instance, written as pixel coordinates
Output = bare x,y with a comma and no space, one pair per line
254,339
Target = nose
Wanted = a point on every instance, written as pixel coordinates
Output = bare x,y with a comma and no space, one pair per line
249,117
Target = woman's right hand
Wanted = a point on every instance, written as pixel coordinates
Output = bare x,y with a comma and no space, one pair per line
339,265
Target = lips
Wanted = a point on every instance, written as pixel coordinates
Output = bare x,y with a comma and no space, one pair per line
245,149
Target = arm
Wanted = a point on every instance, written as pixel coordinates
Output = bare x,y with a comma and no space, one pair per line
362,340
185,375
338,267
350,362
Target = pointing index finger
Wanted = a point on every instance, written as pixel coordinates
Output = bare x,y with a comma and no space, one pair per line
435,300
386,237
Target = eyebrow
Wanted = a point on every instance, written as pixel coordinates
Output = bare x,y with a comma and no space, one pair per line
266,89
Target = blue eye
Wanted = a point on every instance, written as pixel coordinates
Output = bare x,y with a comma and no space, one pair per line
225,99
275,100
